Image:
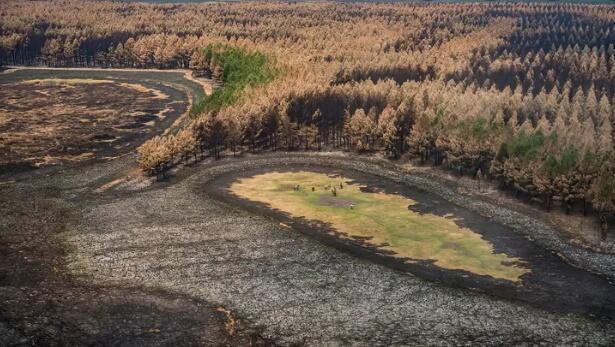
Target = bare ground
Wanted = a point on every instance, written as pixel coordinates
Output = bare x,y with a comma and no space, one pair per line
65,117
48,121
42,304
580,230
294,289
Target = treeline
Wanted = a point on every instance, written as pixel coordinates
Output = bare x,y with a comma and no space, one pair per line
148,51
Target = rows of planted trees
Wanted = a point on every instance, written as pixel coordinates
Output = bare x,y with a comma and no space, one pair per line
543,149
523,93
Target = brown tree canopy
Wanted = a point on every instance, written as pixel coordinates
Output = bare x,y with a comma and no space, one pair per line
522,92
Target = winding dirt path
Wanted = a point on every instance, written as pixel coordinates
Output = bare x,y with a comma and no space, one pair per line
206,84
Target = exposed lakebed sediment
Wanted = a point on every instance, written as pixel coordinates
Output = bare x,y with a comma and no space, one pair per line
297,287
549,281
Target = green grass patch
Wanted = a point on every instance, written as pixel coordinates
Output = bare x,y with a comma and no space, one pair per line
241,68
523,146
384,219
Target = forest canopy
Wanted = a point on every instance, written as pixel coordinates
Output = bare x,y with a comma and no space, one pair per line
521,92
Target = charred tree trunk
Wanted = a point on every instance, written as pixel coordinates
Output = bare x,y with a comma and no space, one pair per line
604,226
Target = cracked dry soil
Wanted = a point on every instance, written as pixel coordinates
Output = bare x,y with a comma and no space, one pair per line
42,304
285,287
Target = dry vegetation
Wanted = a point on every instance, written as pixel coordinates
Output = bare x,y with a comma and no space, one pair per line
521,92
43,121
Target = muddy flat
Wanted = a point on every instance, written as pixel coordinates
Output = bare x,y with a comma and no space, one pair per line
186,262
414,231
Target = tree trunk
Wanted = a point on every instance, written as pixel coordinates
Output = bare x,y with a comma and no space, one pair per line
604,226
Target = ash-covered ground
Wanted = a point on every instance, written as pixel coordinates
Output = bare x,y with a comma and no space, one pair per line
278,285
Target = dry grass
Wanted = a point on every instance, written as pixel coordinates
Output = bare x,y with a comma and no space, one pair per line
143,89
44,121
65,81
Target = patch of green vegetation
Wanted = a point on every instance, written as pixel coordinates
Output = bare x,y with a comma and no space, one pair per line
384,220
241,68
568,160
479,127
526,146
